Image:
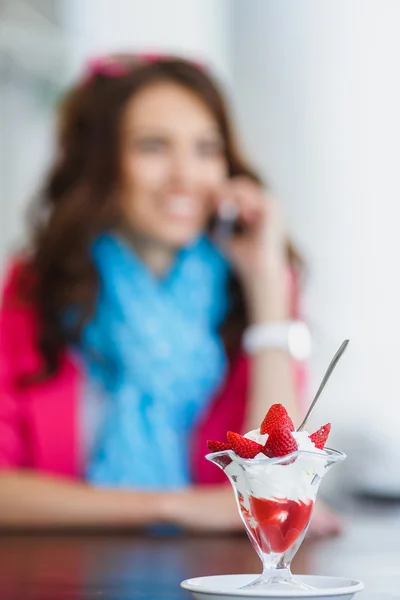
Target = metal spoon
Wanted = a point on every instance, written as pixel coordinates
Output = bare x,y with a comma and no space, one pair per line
328,373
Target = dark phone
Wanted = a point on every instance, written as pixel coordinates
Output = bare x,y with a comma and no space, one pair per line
226,223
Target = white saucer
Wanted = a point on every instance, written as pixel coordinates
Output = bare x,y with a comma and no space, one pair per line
225,587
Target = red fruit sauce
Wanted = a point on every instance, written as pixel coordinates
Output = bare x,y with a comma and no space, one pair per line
276,523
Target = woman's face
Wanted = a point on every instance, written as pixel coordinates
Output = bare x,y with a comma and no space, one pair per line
172,159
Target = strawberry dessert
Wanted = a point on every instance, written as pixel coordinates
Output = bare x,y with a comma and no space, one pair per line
275,494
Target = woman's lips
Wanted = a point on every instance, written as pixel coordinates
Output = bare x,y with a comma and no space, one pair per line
181,207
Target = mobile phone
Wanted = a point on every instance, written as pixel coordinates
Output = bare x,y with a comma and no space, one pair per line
226,222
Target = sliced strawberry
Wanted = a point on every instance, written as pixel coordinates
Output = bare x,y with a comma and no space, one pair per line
243,447
214,446
277,415
280,442
319,437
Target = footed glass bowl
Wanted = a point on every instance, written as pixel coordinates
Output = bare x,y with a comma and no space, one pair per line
275,498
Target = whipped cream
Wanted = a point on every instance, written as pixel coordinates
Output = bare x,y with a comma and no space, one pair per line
295,481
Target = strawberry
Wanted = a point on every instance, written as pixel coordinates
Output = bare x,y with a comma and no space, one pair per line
243,447
277,415
280,442
214,446
319,437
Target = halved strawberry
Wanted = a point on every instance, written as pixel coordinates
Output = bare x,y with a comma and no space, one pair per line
243,447
280,442
277,415
214,446
320,437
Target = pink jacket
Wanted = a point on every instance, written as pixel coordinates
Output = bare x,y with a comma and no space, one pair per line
38,423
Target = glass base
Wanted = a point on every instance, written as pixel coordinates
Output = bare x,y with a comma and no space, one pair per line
277,579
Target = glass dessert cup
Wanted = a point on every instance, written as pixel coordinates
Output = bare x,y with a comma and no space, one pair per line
275,498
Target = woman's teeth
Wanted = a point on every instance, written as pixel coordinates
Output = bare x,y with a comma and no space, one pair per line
181,206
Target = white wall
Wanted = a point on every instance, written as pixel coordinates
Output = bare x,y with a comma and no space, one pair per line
318,89
31,57
198,28
25,139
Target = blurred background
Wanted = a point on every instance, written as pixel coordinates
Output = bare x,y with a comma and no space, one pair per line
316,92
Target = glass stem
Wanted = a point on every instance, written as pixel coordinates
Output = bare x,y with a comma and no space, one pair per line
276,573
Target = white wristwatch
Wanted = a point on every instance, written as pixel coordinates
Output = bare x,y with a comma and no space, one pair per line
291,336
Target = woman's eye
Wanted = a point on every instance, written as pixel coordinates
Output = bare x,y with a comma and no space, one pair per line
210,148
151,145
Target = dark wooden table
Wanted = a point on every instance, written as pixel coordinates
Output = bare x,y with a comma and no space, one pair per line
127,567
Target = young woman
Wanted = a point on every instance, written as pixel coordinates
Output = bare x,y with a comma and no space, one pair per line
121,328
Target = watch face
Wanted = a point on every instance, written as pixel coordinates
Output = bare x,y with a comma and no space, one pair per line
299,341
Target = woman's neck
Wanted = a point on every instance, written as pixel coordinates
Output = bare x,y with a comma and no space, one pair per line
156,255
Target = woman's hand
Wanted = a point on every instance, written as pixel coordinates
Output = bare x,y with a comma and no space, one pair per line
204,508
259,253
324,522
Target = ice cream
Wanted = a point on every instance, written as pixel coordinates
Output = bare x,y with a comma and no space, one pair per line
275,473
292,481
276,500
276,495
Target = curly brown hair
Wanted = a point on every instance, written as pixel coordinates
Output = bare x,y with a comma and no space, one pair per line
77,201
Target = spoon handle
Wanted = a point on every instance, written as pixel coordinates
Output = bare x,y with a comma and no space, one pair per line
327,375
